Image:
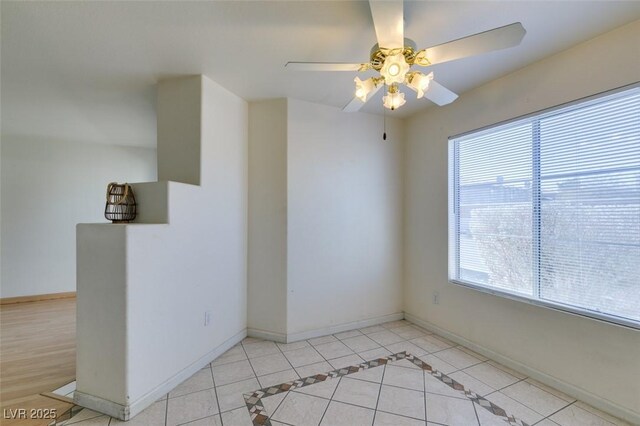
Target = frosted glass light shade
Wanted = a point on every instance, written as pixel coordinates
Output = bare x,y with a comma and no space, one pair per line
420,83
363,88
394,69
393,100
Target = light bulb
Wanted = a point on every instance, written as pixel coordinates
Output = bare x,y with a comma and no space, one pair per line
394,99
394,69
363,88
420,82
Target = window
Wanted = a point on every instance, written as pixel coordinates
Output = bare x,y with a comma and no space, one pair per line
547,208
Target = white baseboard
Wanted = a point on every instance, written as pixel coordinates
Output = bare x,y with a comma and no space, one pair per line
574,391
267,335
310,334
126,412
101,405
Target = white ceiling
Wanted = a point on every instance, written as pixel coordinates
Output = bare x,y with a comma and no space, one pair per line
85,71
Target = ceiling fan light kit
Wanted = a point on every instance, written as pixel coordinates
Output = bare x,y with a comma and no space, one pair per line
394,56
419,82
394,68
394,99
364,88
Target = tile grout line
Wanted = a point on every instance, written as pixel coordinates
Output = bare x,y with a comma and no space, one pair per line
251,365
538,387
318,352
201,418
375,411
288,362
322,356
341,356
362,335
69,421
402,415
557,411
285,423
462,398
490,361
415,390
254,375
475,410
215,391
330,400
523,403
295,371
424,387
201,390
462,370
504,387
278,406
311,363
273,372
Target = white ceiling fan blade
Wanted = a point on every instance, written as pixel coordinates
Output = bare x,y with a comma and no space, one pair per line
496,39
438,94
388,20
355,104
322,66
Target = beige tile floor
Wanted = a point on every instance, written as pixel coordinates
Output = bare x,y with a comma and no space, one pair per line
395,394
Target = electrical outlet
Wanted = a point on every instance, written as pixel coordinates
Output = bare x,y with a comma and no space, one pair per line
436,298
207,318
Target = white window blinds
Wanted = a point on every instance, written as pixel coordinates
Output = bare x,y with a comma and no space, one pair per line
547,208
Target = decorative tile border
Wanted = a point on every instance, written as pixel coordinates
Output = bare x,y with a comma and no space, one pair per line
260,417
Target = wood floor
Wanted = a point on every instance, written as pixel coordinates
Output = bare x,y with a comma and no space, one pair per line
37,348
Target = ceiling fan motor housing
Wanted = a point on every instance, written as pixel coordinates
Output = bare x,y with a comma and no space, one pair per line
378,55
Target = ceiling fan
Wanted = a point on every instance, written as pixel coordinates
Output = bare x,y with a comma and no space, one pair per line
394,57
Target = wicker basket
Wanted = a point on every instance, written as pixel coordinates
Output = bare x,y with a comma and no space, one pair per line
121,204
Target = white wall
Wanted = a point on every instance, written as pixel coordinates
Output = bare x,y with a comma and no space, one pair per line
141,313
267,262
344,209
325,219
595,360
179,132
47,187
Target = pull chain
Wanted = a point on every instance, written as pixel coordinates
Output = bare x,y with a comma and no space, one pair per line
384,121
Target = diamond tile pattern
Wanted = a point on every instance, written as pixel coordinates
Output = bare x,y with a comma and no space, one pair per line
389,374
385,397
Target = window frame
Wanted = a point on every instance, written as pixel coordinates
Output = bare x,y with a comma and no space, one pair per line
453,218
